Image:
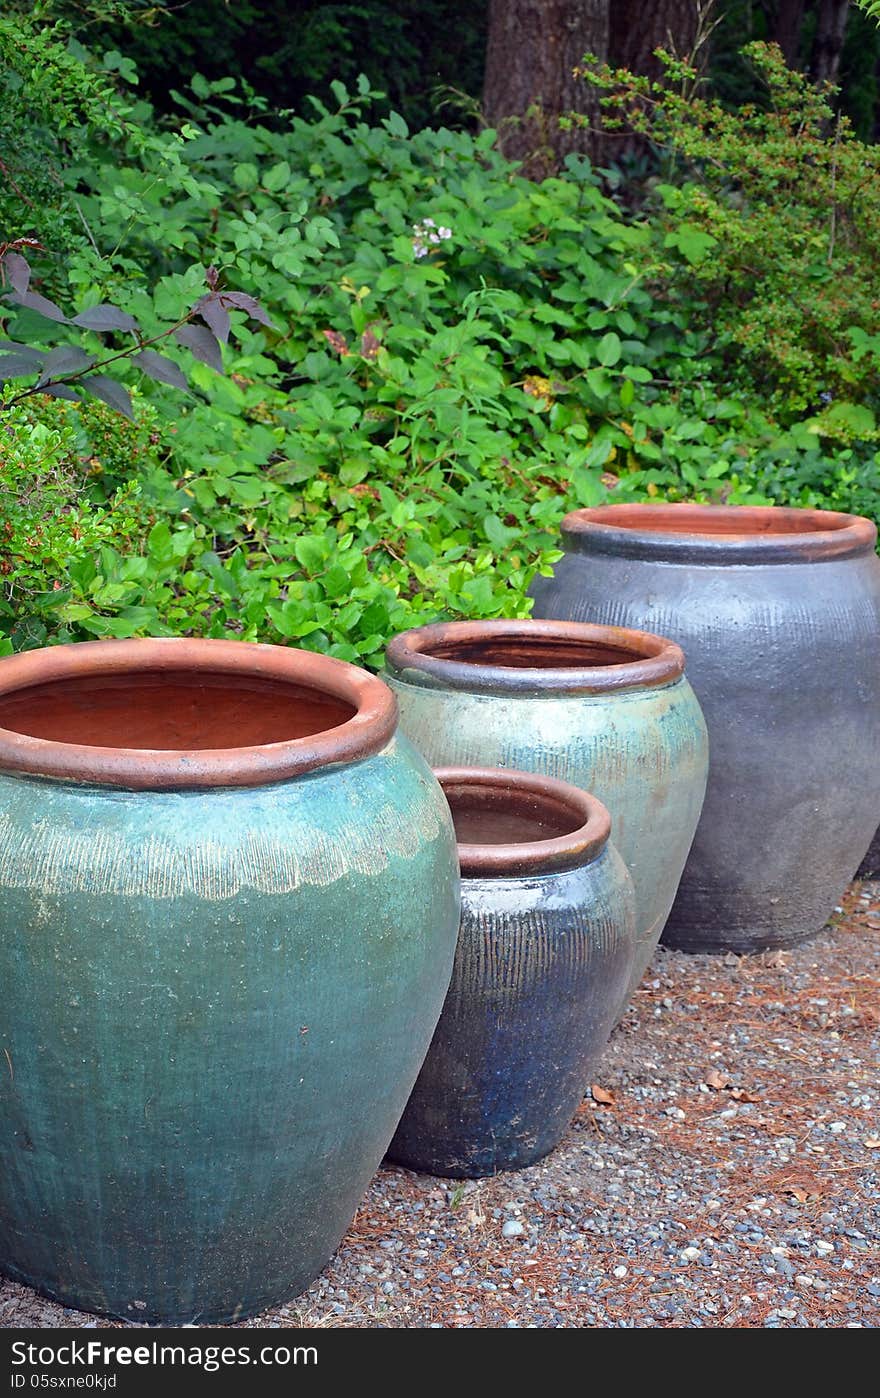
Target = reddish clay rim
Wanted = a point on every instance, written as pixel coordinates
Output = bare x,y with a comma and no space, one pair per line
532,657
369,729
500,789
719,533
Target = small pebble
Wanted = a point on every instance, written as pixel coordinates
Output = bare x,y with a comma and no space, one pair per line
513,1229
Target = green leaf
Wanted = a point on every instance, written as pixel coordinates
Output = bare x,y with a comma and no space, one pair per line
245,176
609,349
310,551
278,177
395,123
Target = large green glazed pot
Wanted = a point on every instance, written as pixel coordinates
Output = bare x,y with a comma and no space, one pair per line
606,709
778,611
228,918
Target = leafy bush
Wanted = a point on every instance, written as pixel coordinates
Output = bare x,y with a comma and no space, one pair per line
457,356
51,531
773,221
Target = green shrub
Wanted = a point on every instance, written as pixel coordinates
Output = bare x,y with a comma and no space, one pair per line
403,441
769,233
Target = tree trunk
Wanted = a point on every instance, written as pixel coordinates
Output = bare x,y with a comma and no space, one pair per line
638,29
787,29
828,43
533,47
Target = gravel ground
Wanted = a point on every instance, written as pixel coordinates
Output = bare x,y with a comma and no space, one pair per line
725,1171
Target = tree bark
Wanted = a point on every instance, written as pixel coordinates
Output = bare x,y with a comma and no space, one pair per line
828,43
533,47
786,30
638,29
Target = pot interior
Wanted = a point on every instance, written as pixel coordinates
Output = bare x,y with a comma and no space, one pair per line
168,710
487,815
539,652
732,521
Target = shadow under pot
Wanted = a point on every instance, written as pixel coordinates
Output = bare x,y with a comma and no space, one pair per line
606,709
545,951
870,865
228,916
778,612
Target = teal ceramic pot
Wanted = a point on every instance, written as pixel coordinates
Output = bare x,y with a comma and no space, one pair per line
545,952
607,709
228,917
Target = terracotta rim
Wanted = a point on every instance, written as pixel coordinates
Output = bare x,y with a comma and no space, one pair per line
435,657
503,788
719,533
368,730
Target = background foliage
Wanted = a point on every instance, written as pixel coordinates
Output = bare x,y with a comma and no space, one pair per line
403,440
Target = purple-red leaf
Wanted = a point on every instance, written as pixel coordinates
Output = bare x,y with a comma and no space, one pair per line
200,342
215,316
15,366
109,392
242,302
18,272
67,359
105,317
42,305
163,370
26,351
61,390
212,277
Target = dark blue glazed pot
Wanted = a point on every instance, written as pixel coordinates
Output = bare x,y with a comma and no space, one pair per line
545,952
778,613
228,915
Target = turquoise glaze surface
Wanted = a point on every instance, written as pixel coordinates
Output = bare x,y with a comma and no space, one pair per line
642,751
213,1007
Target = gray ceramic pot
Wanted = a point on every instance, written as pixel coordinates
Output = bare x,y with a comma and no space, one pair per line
778,612
545,951
606,709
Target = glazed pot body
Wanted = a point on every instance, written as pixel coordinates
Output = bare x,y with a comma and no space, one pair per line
641,750
783,649
214,1005
542,962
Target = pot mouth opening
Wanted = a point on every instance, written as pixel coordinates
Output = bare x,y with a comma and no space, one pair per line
762,531
167,713
512,823
523,656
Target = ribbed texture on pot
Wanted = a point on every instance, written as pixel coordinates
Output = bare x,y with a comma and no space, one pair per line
540,969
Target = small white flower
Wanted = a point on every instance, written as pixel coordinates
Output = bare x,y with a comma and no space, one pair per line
426,235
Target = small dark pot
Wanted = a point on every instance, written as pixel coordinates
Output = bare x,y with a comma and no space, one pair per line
778,613
545,950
